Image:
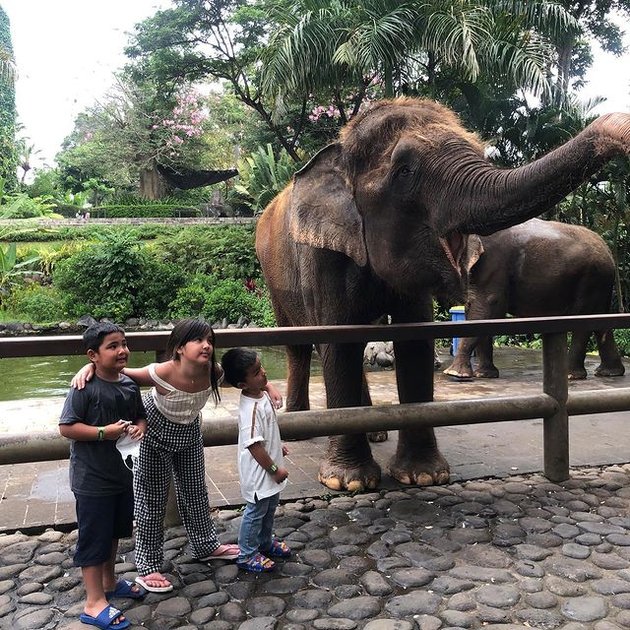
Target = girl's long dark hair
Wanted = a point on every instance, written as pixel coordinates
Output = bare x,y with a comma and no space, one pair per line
187,330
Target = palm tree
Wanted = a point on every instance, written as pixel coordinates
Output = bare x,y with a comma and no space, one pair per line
25,152
326,44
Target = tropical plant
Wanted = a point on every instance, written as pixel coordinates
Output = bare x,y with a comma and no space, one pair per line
12,272
324,45
262,175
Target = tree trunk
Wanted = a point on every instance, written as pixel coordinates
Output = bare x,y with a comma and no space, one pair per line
152,184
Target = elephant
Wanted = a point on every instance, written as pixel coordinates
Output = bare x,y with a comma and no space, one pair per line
539,269
376,223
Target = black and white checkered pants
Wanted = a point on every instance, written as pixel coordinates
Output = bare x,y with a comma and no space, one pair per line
170,449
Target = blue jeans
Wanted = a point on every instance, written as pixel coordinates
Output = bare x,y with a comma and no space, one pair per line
256,529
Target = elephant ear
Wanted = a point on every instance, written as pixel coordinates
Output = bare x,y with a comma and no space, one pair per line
323,211
474,251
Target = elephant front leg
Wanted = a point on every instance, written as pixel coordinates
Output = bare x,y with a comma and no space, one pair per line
485,359
348,463
461,366
417,460
577,355
299,371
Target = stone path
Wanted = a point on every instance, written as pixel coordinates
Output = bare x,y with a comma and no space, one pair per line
518,552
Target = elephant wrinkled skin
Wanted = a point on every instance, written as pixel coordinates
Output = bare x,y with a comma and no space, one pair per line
375,224
539,269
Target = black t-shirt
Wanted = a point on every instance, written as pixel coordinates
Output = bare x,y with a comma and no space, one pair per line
96,467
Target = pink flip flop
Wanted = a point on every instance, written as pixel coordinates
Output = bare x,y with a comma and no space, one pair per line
143,581
222,552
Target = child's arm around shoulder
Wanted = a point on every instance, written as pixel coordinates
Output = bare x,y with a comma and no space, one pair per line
140,376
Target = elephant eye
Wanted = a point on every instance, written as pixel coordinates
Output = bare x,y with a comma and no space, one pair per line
404,171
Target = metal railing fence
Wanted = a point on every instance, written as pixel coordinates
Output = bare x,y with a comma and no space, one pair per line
553,404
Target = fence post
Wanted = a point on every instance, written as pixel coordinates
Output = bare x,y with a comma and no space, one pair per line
556,426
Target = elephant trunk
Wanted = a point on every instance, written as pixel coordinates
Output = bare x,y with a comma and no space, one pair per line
476,197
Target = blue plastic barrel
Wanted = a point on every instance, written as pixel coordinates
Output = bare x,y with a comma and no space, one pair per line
458,314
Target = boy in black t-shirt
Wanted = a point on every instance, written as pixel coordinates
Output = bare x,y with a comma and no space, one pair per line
94,418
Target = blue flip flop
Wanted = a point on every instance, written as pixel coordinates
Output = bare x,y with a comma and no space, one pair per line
124,588
105,618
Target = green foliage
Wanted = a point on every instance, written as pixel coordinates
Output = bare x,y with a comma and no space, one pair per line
8,153
37,303
622,337
85,232
49,258
114,278
262,175
225,252
45,184
145,210
13,272
21,206
218,299
161,280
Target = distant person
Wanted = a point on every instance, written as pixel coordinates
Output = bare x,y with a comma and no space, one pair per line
109,407
182,386
260,461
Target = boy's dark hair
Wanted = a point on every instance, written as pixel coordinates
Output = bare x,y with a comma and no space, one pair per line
94,335
236,362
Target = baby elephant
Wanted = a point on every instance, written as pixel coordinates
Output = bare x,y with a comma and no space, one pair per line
539,269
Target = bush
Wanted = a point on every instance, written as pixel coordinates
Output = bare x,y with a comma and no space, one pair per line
223,251
143,211
217,299
622,337
161,281
116,278
37,304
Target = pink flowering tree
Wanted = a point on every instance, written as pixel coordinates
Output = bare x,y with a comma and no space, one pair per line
183,126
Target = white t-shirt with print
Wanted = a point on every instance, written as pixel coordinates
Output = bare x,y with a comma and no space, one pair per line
258,423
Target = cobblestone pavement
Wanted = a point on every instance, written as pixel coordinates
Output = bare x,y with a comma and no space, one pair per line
517,552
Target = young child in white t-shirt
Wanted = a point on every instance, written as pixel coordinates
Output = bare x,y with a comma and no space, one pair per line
260,461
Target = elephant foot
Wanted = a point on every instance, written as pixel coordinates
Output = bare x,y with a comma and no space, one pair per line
619,370
377,436
355,478
487,372
432,470
577,375
456,371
